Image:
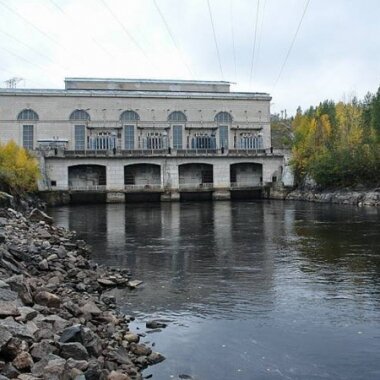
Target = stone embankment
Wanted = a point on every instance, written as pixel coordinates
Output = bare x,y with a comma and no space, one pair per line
349,197
58,320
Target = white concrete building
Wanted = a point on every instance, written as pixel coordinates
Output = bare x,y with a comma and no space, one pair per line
121,137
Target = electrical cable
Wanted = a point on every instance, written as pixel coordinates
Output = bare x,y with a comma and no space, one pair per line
254,43
291,45
172,38
125,30
215,40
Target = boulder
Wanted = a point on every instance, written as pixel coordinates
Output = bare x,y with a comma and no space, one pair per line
5,336
90,308
17,330
71,334
155,357
140,349
73,350
53,360
23,361
155,325
47,299
42,349
8,309
116,375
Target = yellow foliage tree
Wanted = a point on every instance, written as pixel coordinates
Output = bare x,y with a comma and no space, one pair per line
19,171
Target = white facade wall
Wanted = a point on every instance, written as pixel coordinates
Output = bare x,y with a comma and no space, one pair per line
54,112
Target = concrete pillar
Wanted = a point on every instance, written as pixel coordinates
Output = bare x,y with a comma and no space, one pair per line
115,197
222,174
169,174
221,195
171,196
115,175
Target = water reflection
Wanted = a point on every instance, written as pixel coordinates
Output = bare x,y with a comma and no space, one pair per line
266,277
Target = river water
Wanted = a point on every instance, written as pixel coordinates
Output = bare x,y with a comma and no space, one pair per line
251,290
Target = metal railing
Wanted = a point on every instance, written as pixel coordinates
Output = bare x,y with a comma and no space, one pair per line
163,152
88,188
147,187
242,185
196,186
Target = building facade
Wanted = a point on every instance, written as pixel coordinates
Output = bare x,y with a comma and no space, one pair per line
120,136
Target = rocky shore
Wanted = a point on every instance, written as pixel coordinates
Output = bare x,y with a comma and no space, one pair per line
349,197
57,317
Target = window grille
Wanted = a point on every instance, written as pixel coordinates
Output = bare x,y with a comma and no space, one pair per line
79,115
28,136
27,114
177,116
223,118
177,136
129,116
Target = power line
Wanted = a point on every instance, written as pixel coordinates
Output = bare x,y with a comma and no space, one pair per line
291,45
255,70
254,42
97,43
129,35
22,58
172,38
215,40
33,49
233,39
32,25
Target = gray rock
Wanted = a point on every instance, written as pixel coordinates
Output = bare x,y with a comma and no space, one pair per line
23,361
91,341
42,349
17,330
7,295
19,285
73,350
155,325
3,285
43,264
131,338
116,375
79,364
71,334
140,349
90,308
26,313
5,336
9,371
155,357
120,356
39,367
47,299
7,309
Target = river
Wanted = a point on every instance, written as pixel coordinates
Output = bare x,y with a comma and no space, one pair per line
251,290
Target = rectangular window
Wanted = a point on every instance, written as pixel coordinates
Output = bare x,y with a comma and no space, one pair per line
223,136
129,137
80,137
177,136
28,136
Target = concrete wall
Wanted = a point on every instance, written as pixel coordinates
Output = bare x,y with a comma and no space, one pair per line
57,169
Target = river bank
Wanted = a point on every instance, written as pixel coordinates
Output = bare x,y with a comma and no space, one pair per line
341,196
58,318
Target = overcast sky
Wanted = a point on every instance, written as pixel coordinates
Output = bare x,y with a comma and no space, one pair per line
336,53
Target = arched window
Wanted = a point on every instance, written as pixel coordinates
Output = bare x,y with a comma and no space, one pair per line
223,118
177,116
27,114
129,116
79,115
